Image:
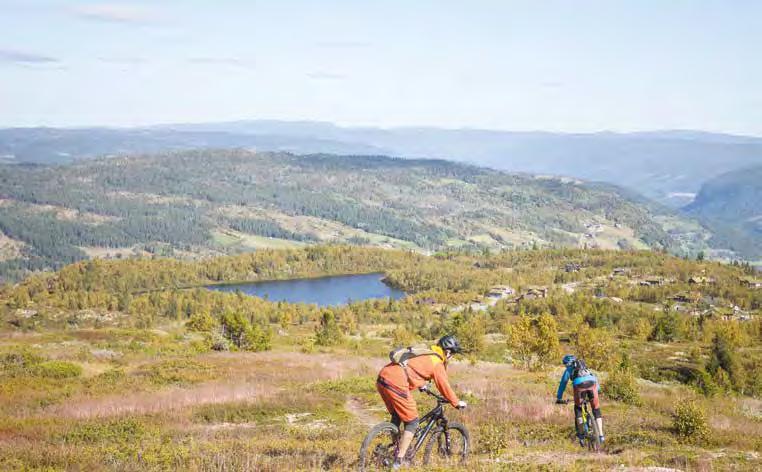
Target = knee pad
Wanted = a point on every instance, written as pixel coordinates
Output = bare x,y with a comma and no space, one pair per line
597,412
411,426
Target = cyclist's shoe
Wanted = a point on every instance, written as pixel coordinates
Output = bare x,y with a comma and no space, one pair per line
400,463
601,439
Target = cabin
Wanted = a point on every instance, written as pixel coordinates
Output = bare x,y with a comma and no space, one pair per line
500,291
700,280
686,297
734,313
751,283
534,293
425,301
620,271
652,281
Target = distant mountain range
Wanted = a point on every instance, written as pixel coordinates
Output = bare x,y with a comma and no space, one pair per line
668,166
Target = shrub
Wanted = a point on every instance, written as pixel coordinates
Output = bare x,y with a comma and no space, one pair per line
641,329
534,342
177,372
493,439
236,412
201,322
328,332
594,345
470,329
346,385
113,432
217,341
401,336
724,365
19,361
243,333
57,370
622,386
689,422
705,384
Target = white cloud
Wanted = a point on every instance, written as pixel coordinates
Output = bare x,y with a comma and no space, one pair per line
11,56
221,61
322,75
116,13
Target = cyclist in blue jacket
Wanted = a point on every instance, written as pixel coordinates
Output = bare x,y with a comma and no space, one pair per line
582,381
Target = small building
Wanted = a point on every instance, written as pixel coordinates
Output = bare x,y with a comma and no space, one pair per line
425,301
500,291
652,281
751,283
700,280
534,293
686,297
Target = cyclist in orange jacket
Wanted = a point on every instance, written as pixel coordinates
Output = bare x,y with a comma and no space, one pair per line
396,382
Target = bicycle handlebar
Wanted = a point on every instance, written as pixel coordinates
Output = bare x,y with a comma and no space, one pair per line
427,389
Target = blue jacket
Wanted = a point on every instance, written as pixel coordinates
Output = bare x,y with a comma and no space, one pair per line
567,376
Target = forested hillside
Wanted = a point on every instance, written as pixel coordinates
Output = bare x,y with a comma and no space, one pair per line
668,166
202,202
731,205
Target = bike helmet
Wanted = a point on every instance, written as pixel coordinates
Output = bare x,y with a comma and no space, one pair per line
448,342
568,359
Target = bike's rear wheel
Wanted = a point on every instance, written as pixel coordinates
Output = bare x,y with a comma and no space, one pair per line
379,447
448,447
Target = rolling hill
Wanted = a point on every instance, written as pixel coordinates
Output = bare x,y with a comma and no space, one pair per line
196,203
668,166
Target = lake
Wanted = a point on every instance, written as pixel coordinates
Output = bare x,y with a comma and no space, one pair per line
323,291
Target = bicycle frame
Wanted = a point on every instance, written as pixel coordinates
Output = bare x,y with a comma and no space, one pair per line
429,420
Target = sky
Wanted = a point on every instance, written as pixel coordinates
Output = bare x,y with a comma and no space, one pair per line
570,66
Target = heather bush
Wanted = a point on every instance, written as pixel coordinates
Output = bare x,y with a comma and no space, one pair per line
689,422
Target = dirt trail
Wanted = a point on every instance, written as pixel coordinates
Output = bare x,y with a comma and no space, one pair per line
360,412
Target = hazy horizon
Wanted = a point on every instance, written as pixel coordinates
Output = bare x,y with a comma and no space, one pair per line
665,131
590,66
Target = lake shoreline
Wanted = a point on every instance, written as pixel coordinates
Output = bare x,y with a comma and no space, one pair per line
329,290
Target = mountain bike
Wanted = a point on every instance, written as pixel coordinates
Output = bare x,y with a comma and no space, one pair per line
446,442
592,434
592,437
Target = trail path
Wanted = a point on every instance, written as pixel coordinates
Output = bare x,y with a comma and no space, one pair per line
360,412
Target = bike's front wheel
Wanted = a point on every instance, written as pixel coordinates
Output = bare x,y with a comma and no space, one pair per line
448,447
379,447
593,435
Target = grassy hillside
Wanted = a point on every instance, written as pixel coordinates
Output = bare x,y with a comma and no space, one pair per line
106,365
731,205
204,203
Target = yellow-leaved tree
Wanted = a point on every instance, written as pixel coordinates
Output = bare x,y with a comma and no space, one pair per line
534,341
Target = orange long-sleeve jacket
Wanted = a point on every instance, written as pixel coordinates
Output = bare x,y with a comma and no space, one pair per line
420,370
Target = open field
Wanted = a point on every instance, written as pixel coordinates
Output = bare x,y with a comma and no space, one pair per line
106,366
134,409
